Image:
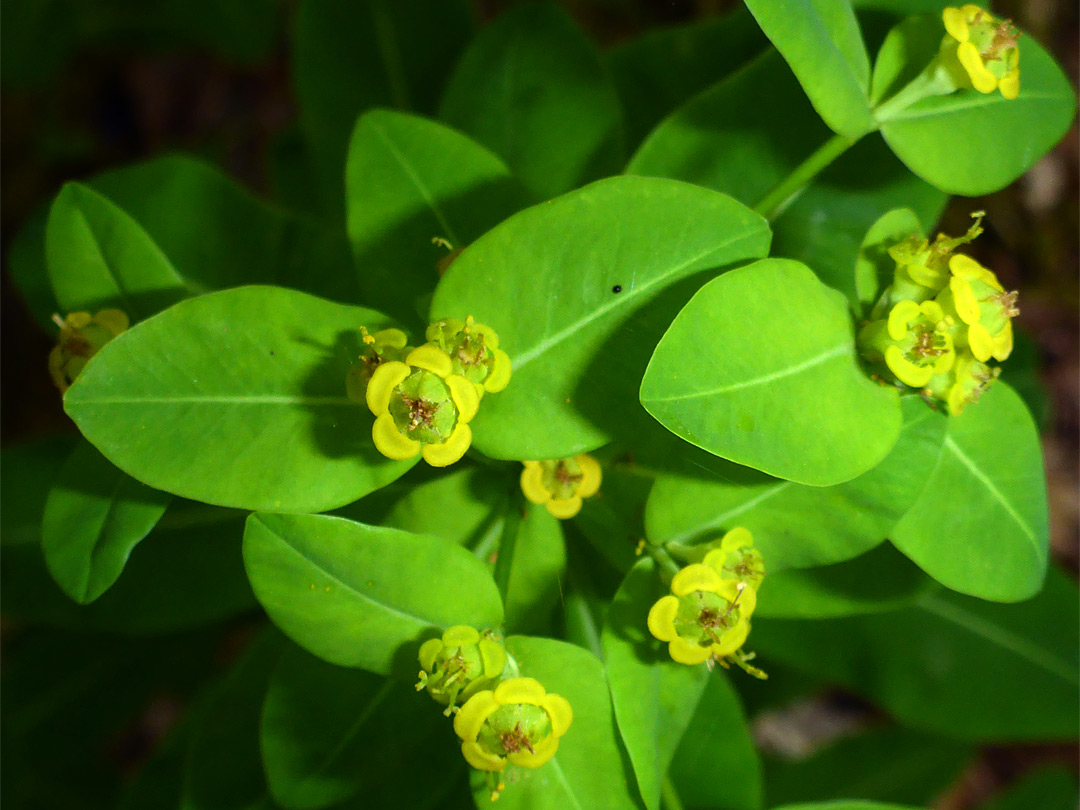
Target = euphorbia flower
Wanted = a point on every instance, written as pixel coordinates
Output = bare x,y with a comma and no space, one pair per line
986,47
383,346
704,616
976,298
561,484
459,664
737,559
81,337
914,342
420,405
474,352
963,384
517,722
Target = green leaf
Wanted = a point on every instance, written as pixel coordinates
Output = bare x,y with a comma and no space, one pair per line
884,764
612,523
940,664
407,182
821,42
459,507
727,140
98,257
237,398
27,473
187,573
796,525
662,68
877,581
223,768
781,389
329,733
583,267
588,771
351,55
363,596
217,235
844,804
716,766
981,525
94,516
967,142
654,697
874,267
536,573
1048,788
532,89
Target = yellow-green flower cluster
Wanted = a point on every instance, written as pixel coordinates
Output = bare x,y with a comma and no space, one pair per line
707,615
502,721
423,398
941,321
986,47
561,484
81,337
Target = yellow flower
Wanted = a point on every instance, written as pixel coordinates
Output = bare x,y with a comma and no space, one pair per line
421,406
986,47
737,559
459,664
561,484
964,383
474,351
913,342
977,299
384,345
705,615
517,722
81,337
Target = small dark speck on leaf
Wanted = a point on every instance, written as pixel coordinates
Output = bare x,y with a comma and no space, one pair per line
617,288
271,352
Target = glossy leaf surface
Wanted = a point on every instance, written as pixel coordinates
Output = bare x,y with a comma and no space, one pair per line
560,281
363,596
237,398
760,368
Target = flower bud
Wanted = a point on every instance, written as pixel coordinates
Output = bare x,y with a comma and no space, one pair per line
517,722
561,484
81,337
459,664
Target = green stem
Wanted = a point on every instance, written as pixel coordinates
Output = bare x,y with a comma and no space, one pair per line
935,80
669,797
687,554
504,561
774,203
663,559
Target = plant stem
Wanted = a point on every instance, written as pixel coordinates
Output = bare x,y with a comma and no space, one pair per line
774,203
663,559
669,797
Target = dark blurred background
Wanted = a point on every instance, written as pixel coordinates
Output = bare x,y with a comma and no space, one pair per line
96,84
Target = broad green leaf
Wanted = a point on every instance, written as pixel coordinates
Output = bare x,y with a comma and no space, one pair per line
654,697
94,516
796,525
878,581
223,769
351,55
459,507
662,68
1023,372
959,666
845,804
217,235
821,42
760,368
409,181
1048,788
716,766
561,283
27,473
588,771
363,596
874,267
532,89
329,733
537,572
981,525
884,764
237,398
727,140
187,573
99,257
967,142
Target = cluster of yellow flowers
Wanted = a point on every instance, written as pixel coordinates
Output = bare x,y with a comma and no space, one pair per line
423,398
513,721
707,614
941,321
